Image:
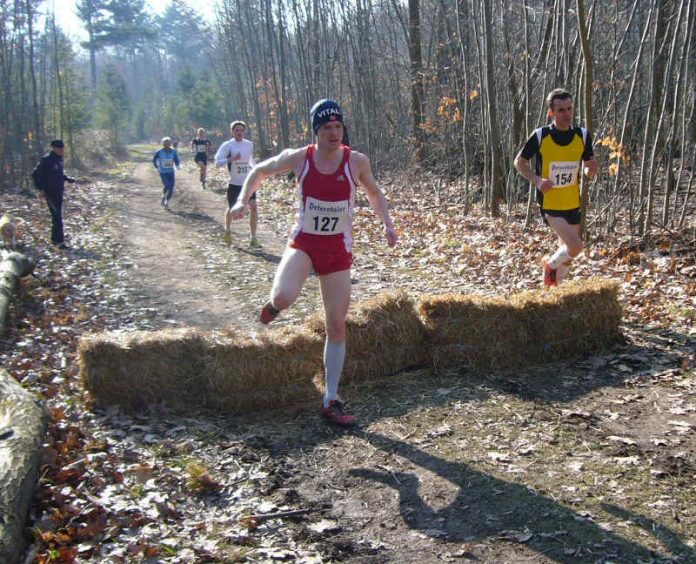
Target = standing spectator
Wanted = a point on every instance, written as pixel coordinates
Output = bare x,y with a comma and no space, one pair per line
49,178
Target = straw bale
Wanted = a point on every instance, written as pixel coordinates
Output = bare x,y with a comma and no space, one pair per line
186,367
575,319
274,369
528,328
384,335
142,367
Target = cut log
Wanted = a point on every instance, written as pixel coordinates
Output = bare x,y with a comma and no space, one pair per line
22,427
13,266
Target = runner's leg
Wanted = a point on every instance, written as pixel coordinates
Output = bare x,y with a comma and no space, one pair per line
293,270
335,293
253,219
570,245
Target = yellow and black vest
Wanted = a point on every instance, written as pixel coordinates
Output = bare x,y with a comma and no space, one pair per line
561,165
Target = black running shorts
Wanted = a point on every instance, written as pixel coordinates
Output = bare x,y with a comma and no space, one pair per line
233,191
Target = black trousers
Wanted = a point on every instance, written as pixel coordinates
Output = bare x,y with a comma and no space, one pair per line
55,207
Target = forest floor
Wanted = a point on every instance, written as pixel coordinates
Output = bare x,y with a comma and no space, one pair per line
592,460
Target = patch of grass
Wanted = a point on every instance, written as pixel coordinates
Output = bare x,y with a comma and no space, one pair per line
137,491
199,477
682,312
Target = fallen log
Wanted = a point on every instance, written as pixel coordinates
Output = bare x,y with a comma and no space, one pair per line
13,266
22,427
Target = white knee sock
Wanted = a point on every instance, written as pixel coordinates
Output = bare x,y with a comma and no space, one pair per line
334,355
561,256
562,271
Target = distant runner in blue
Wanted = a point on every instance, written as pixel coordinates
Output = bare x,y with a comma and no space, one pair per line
165,160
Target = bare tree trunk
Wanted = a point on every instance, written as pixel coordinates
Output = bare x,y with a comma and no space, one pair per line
462,37
496,189
282,67
587,102
36,114
527,96
416,66
651,128
671,141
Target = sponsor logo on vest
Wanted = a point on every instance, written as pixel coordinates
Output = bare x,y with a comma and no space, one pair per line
566,167
337,209
341,178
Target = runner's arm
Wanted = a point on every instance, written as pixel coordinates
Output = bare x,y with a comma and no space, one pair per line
221,155
284,162
523,167
590,167
377,199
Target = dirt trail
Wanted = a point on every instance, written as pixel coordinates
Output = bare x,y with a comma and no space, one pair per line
180,261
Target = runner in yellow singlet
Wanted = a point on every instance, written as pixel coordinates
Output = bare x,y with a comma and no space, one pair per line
560,149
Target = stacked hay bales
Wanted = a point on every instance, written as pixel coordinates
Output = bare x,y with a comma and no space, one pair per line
185,367
384,335
238,373
525,329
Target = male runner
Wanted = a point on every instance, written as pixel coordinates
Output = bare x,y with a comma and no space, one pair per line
321,240
200,147
559,149
164,161
238,155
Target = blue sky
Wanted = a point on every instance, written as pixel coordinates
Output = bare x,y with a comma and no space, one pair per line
66,18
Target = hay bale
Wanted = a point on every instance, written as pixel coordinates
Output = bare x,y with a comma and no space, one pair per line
472,331
575,319
139,368
274,369
528,328
384,335
185,367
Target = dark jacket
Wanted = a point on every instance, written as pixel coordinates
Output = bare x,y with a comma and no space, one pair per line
49,175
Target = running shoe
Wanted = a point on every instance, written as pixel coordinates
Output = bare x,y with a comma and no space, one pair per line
163,199
203,184
228,238
166,203
550,278
254,242
336,413
268,313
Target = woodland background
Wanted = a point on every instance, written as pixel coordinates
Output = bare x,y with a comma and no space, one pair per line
448,88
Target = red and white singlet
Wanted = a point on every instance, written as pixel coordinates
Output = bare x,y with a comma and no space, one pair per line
324,221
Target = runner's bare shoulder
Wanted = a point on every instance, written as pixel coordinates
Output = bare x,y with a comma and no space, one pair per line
359,162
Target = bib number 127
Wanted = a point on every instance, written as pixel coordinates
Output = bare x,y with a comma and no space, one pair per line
325,224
